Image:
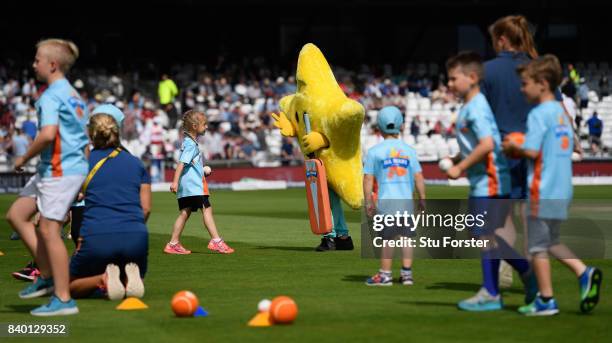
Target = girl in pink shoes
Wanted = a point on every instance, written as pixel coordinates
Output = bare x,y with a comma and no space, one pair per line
191,188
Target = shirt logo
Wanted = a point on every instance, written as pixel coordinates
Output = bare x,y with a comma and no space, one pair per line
562,132
396,163
77,105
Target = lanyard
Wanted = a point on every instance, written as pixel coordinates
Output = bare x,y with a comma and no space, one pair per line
98,165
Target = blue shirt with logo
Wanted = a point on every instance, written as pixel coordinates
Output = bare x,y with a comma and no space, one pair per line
393,163
112,198
550,175
61,105
488,178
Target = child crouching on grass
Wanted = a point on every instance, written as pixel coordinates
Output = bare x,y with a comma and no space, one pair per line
191,188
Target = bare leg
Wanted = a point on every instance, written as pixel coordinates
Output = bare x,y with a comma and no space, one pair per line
407,257
179,225
508,231
19,217
83,287
541,265
57,255
567,257
523,214
209,222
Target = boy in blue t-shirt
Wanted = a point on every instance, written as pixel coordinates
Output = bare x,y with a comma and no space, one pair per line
191,188
487,171
62,118
548,147
393,164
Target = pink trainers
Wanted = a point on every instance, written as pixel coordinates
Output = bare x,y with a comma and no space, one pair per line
176,249
220,247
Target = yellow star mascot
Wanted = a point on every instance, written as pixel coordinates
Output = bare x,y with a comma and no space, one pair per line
334,138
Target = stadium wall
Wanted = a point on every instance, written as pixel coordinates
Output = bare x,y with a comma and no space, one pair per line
590,172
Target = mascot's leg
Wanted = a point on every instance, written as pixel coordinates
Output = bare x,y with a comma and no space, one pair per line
339,238
340,228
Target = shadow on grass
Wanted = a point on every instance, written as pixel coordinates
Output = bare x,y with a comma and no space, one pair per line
466,286
430,303
20,308
356,278
285,248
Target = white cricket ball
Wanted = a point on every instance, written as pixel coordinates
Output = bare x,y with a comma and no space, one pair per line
445,164
207,170
264,305
576,157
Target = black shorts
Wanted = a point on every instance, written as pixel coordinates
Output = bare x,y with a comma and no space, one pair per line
194,203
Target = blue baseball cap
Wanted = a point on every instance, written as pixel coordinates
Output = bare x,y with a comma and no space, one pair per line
111,110
390,120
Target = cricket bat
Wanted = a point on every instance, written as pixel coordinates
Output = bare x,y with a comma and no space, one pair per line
317,193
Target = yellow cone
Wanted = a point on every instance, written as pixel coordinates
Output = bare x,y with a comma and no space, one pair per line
1,253
132,304
261,319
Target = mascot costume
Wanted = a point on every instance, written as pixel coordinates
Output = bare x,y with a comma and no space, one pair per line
335,122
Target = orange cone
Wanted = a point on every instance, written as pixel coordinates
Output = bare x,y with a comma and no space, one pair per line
132,304
261,319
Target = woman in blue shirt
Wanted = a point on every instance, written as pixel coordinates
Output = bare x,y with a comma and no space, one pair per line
514,46
114,237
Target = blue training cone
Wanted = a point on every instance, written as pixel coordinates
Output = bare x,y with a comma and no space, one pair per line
200,312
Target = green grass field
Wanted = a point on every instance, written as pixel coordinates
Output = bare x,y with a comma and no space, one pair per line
274,256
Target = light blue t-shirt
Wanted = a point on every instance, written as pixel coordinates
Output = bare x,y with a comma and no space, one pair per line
61,105
393,163
488,178
191,182
550,175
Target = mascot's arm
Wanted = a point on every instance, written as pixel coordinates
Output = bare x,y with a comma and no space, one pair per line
349,116
281,122
313,142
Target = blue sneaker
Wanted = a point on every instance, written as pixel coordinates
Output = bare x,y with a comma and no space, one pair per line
39,288
56,307
482,301
530,285
540,308
380,279
590,285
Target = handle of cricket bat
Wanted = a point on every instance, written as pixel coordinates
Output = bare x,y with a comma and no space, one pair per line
307,125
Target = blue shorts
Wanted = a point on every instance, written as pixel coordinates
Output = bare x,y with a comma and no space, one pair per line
96,251
494,209
518,178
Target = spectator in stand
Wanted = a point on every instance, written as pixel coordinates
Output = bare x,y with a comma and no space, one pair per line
604,86
414,127
29,127
157,150
167,91
568,88
287,152
573,74
20,142
570,107
583,93
595,129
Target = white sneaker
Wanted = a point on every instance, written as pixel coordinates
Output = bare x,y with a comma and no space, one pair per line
114,287
134,287
505,275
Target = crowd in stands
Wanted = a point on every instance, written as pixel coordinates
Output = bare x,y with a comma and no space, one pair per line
238,101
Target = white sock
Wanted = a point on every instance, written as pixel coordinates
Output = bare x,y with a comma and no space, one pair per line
385,272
